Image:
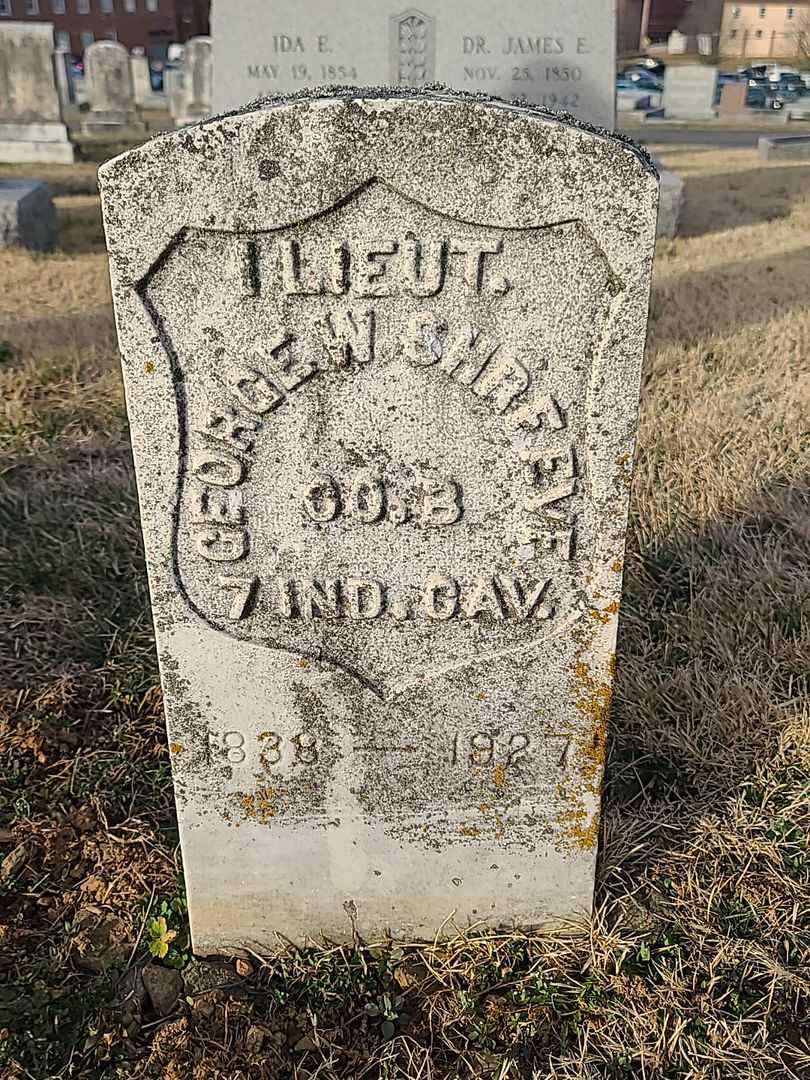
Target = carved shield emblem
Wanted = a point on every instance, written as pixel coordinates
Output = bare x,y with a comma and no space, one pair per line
384,432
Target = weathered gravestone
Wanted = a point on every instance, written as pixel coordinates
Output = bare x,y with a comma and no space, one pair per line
733,99
27,215
65,88
382,360
145,97
174,88
31,127
110,92
784,147
197,81
559,54
689,91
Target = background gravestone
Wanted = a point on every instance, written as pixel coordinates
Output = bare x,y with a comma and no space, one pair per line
174,89
27,215
383,406
110,92
559,54
31,127
197,81
689,91
62,63
733,99
145,96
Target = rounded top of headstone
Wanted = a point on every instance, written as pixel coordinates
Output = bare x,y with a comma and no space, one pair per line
471,156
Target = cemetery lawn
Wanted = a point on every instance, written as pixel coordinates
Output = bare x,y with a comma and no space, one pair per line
697,963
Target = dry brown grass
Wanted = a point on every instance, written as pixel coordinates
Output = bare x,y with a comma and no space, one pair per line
697,963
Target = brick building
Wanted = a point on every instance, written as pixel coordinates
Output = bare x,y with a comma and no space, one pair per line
150,24
656,19
766,29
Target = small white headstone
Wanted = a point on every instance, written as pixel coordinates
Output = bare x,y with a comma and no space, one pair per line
560,54
689,91
197,81
110,93
31,127
382,357
145,96
174,88
676,42
63,70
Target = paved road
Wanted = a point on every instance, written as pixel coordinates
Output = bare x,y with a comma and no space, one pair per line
649,133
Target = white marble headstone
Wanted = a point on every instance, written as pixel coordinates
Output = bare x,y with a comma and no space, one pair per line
31,127
560,54
382,360
110,90
197,81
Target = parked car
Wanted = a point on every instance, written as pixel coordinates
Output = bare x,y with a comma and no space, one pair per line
631,96
644,80
789,83
757,98
780,98
645,63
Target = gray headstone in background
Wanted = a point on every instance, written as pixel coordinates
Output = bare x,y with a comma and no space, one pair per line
784,147
27,215
31,127
733,99
689,91
145,96
383,456
174,89
62,61
559,54
670,201
110,93
197,81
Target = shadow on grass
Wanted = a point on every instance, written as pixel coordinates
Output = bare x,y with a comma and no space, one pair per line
74,585
700,304
715,203
714,652
81,230
77,179
713,663
93,330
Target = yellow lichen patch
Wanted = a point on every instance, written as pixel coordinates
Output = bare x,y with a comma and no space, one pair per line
481,696
149,367
303,663
176,748
580,822
486,810
606,613
616,566
469,830
594,701
580,828
260,805
499,777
